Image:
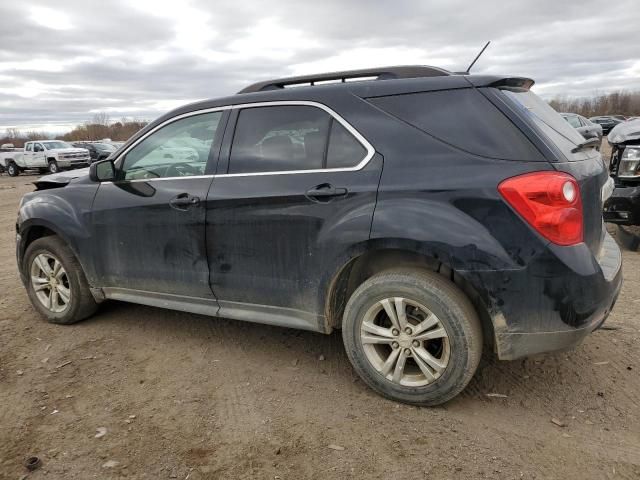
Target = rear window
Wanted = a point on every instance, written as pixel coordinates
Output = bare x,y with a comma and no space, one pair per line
547,119
463,118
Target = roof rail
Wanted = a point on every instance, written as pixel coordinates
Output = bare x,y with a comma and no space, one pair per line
382,73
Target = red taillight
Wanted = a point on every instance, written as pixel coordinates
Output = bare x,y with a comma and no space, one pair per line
550,202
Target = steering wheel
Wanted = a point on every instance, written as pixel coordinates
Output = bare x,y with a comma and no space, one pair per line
182,170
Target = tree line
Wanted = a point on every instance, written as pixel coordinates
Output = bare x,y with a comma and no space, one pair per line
98,128
623,102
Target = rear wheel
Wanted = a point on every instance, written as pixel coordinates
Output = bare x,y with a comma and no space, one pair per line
412,336
56,283
13,170
53,166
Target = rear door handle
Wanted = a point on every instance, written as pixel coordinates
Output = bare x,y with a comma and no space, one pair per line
184,201
325,192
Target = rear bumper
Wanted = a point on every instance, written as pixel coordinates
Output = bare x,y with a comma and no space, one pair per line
511,346
555,302
623,207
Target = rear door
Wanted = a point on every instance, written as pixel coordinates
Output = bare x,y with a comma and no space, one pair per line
149,224
297,186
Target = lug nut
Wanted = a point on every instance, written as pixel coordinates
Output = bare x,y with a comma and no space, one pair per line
395,344
395,332
416,343
407,351
407,331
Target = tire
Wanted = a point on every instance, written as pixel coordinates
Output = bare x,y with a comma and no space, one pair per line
13,170
81,303
425,293
53,166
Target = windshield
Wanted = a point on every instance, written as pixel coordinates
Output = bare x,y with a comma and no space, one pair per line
105,147
56,144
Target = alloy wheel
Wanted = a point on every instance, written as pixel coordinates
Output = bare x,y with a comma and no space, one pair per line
405,342
50,283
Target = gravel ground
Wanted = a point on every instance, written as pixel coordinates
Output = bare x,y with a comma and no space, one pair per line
140,392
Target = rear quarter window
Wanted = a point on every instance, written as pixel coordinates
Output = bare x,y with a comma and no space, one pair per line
463,118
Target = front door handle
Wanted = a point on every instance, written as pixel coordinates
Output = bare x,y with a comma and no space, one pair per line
325,192
184,201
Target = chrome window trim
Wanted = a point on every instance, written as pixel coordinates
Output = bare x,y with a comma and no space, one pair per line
359,166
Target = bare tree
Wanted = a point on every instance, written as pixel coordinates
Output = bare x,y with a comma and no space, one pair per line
615,103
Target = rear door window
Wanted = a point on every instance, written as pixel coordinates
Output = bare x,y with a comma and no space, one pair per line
286,138
344,149
463,118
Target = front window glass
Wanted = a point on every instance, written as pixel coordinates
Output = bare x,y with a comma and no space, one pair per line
176,150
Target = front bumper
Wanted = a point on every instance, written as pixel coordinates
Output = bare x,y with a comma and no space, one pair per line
73,163
623,207
555,302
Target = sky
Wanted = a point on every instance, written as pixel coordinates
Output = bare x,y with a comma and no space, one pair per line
61,62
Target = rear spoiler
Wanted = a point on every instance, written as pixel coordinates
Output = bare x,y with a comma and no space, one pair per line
507,83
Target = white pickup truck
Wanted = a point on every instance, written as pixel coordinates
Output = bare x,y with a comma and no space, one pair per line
42,155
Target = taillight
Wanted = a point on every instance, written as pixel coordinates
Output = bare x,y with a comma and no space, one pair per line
550,202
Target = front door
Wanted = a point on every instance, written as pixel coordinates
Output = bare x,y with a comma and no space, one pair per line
149,224
297,191
37,158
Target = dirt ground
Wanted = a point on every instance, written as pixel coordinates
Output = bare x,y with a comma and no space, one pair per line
190,397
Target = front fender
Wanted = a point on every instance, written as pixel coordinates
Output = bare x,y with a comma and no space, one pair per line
67,213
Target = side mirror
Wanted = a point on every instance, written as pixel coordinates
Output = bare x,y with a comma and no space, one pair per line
102,171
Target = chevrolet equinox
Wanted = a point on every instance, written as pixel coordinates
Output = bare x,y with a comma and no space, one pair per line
428,215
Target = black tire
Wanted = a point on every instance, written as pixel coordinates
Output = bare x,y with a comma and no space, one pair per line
455,313
81,304
53,166
13,170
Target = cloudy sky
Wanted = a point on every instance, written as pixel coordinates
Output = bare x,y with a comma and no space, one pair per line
63,61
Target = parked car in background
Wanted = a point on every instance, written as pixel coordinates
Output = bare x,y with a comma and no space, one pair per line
483,230
97,150
607,123
623,208
622,118
44,155
585,127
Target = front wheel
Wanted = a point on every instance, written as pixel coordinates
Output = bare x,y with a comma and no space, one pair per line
13,170
56,284
53,166
412,336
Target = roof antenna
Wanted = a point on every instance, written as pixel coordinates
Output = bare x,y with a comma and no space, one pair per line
477,57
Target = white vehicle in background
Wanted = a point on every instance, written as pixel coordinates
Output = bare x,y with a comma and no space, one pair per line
42,155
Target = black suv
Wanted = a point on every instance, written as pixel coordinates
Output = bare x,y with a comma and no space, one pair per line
97,150
607,123
428,215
